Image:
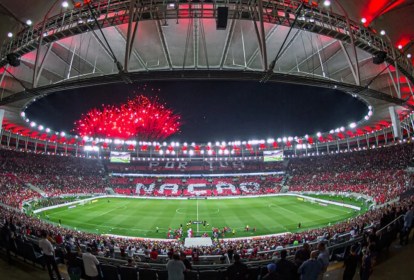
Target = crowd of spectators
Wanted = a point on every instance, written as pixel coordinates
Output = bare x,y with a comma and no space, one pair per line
13,192
258,248
53,175
240,185
40,164
377,173
189,167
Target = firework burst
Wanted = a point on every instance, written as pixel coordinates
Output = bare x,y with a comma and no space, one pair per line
140,118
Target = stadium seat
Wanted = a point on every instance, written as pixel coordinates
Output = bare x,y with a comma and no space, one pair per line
254,273
208,274
338,254
19,247
191,275
80,264
31,255
147,274
128,273
162,275
109,272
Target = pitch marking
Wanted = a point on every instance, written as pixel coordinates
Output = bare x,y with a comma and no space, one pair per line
181,210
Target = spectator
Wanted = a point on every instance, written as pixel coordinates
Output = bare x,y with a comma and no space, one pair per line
310,269
366,265
350,264
154,254
230,253
175,268
90,263
302,254
323,257
131,262
183,257
271,272
195,256
286,270
238,270
49,256
6,240
408,221
74,270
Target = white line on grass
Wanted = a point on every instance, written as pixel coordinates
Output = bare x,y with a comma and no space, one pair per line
180,211
197,217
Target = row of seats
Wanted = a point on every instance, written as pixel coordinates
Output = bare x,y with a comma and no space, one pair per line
111,272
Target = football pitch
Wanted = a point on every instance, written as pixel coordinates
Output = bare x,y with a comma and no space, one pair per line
141,217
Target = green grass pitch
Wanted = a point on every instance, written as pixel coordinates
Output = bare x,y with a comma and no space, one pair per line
140,217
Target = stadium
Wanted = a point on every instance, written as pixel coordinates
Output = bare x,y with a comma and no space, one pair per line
126,188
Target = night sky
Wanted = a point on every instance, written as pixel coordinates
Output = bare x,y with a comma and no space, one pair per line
215,110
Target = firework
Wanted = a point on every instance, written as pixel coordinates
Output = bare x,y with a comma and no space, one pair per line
139,118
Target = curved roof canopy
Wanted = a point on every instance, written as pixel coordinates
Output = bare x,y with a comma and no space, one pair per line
95,42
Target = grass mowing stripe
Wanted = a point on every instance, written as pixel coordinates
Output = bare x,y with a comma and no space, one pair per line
140,217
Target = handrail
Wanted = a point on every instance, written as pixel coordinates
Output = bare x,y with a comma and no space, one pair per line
387,225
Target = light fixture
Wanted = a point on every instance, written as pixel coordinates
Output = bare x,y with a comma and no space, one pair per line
382,32
327,3
400,47
9,34
409,55
29,22
65,4
363,20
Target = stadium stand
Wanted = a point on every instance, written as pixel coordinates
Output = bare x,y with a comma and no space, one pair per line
379,173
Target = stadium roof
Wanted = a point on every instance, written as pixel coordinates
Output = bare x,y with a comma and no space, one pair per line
179,40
